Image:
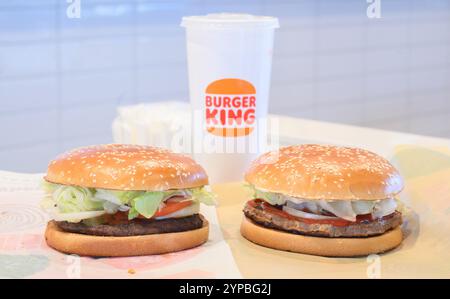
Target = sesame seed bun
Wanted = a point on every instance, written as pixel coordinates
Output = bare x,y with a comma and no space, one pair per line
126,167
89,245
333,247
325,172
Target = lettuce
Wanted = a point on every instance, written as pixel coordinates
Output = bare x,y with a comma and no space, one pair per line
125,197
117,197
72,199
132,213
147,204
270,197
204,196
48,187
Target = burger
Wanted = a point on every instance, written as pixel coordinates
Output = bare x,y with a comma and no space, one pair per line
323,200
125,200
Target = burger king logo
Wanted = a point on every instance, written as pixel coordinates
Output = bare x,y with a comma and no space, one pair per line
230,108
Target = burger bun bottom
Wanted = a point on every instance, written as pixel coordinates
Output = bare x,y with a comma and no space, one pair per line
89,245
331,247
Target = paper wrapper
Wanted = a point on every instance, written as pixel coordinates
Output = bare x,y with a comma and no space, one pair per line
25,254
425,251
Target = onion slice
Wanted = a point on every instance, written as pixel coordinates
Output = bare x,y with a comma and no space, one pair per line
301,214
341,208
384,207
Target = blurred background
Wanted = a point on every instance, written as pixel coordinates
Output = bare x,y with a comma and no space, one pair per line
62,78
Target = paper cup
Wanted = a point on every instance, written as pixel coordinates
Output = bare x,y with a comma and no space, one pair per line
229,62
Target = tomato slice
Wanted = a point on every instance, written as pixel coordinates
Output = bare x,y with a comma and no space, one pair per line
171,207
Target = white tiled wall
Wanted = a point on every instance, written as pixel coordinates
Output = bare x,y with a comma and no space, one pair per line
61,78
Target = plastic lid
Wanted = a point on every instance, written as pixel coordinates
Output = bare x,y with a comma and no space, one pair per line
230,20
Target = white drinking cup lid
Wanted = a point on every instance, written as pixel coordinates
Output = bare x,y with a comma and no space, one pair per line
230,20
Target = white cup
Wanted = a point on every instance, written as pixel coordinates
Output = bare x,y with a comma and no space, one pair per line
229,62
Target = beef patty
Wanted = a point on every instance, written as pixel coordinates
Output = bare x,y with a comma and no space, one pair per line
258,214
135,227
